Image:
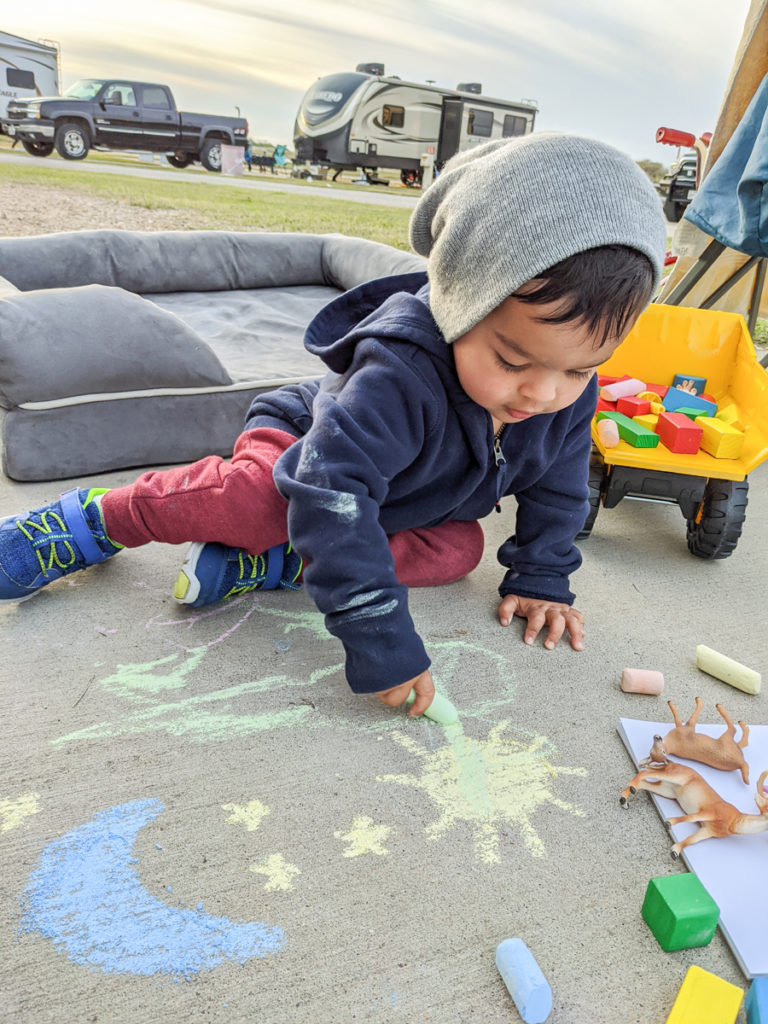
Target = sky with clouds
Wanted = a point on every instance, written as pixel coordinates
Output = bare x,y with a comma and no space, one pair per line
611,69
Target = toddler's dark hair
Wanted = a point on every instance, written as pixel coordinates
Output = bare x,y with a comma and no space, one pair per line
604,288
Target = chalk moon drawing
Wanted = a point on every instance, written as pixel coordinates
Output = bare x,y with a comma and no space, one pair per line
86,896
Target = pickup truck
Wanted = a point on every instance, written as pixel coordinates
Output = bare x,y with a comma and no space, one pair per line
97,113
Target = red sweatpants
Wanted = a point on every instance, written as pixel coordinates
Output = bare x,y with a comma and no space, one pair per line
236,503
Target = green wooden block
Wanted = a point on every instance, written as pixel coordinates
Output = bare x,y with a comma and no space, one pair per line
680,912
633,433
690,413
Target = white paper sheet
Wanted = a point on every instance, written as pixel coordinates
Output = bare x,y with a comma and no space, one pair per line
734,870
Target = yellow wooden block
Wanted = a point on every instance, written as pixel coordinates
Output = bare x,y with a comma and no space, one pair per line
719,438
705,999
649,396
657,408
648,420
730,414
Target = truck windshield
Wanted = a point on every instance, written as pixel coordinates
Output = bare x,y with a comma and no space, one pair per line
84,89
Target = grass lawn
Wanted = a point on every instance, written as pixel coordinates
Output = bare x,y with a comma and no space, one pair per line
226,207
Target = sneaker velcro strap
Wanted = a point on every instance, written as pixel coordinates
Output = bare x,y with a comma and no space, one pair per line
74,517
274,567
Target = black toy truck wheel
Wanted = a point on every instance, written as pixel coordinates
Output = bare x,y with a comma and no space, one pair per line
210,155
179,161
595,482
72,141
37,148
715,530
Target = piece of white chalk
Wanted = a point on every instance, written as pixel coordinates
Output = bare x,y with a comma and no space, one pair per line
727,670
440,710
621,388
524,980
641,680
608,432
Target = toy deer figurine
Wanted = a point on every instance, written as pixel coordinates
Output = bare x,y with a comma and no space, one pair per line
701,803
683,741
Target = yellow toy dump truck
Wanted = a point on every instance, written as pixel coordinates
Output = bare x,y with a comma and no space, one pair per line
670,342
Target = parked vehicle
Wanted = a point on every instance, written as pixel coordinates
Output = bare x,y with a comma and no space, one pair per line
368,120
678,186
112,113
27,70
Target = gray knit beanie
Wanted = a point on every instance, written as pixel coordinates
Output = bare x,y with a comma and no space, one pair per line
503,212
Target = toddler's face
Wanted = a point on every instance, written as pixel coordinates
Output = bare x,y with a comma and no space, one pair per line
515,366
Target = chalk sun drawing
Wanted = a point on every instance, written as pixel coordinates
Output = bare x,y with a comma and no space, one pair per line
85,895
489,784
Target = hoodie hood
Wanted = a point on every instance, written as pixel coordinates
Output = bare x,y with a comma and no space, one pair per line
394,304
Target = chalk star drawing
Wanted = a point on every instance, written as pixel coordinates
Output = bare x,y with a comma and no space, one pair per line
86,897
249,814
14,812
487,783
365,836
278,871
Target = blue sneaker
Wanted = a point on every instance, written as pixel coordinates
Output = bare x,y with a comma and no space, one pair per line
214,572
52,541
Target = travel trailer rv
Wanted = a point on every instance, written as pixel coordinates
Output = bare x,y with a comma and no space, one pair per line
368,120
27,69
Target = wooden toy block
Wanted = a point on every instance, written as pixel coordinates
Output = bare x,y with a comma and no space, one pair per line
705,999
757,1001
650,396
678,433
604,379
605,406
676,399
720,439
680,912
692,414
730,414
697,385
631,432
620,388
648,421
632,406
659,389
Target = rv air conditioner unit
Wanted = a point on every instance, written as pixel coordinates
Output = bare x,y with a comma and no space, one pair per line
370,69
475,87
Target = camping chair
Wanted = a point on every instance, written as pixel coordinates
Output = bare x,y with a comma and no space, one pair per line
281,160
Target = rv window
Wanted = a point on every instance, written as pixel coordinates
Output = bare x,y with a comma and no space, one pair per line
20,79
393,116
155,97
513,125
480,122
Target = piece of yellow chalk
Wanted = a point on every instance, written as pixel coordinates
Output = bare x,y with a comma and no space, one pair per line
727,670
641,680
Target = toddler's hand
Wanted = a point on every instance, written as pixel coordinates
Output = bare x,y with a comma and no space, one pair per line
425,691
558,617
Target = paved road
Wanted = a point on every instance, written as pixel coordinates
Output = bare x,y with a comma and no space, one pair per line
251,180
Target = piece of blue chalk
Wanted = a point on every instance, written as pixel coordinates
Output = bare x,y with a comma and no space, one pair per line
525,981
757,1001
440,710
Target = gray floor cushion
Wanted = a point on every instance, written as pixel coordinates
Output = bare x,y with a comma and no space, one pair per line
122,348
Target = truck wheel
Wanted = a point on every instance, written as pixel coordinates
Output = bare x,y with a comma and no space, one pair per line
210,155
72,141
595,483
38,148
673,211
715,530
179,161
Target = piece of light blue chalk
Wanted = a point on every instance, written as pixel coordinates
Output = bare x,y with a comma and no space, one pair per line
525,981
440,710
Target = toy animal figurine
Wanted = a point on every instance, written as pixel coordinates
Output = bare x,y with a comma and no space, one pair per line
701,803
683,741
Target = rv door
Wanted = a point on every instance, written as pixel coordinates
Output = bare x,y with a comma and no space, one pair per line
450,129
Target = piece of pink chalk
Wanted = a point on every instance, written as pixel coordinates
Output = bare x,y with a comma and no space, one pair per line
641,680
612,392
608,433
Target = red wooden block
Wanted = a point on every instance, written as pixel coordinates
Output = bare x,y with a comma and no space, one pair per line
678,433
603,380
632,406
660,389
603,405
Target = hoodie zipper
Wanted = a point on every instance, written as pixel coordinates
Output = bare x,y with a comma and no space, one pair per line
498,457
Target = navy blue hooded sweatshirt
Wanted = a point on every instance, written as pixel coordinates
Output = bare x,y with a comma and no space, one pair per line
390,441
